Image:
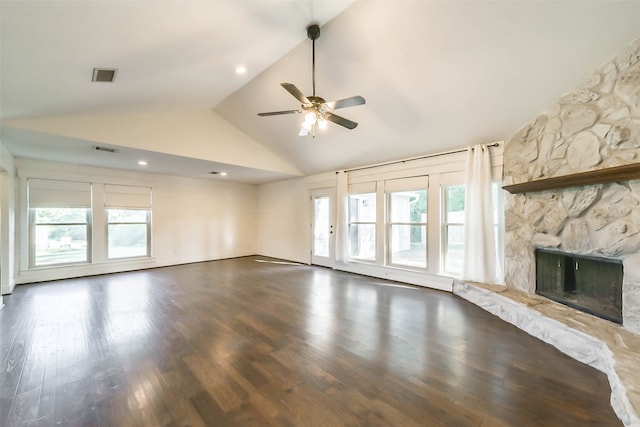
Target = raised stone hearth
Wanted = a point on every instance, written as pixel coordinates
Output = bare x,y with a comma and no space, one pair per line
599,343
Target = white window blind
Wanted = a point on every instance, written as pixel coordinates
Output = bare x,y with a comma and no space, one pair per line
127,197
406,184
363,187
48,193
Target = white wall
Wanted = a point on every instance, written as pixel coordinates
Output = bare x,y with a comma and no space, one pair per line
284,223
193,219
7,221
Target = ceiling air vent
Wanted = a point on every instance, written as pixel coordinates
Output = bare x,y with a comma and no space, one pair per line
104,74
106,149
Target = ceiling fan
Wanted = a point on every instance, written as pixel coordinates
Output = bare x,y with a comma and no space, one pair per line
317,111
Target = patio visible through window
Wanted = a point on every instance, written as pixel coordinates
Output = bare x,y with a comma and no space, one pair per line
408,228
362,226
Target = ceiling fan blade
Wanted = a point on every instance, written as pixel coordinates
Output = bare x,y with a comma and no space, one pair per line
277,113
297,94
346,102
349,124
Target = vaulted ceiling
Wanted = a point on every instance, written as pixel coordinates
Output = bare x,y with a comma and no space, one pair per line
435,75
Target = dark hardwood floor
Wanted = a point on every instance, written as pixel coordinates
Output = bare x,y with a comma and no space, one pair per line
241,342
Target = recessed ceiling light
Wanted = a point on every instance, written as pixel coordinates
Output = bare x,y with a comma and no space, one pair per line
142,163
241,69
223,174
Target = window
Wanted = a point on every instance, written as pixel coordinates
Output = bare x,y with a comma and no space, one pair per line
415,224
407,236
362,226
321,225
60,222
453,228
406,240
60,235
128,233
128,221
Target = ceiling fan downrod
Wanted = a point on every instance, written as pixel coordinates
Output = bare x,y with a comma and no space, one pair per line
313,32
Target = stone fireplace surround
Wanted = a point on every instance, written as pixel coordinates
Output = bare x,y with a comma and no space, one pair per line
594,127
598,220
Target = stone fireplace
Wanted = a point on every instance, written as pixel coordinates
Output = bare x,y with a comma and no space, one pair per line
595,127
596,221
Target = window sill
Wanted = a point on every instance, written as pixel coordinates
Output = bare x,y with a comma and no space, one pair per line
66,271
414,277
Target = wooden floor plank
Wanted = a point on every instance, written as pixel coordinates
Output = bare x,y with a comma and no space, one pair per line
244,343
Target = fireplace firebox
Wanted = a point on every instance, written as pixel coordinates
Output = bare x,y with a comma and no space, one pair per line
586,283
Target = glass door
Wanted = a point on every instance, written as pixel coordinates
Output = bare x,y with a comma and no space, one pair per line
322,246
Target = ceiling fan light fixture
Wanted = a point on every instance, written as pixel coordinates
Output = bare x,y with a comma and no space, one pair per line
322,123
304,131
310,118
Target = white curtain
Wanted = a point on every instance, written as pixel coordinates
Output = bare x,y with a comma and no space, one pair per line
480,258
342,210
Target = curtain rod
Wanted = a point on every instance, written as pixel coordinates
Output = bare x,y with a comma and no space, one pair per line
427,156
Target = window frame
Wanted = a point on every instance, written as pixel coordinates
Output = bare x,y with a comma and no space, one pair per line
33,225
444,203
148,232
498,224
374,224
389,235
124,197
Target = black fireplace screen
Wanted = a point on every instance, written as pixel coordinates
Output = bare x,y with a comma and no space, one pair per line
593,285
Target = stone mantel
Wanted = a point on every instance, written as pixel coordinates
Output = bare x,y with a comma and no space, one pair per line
599,176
